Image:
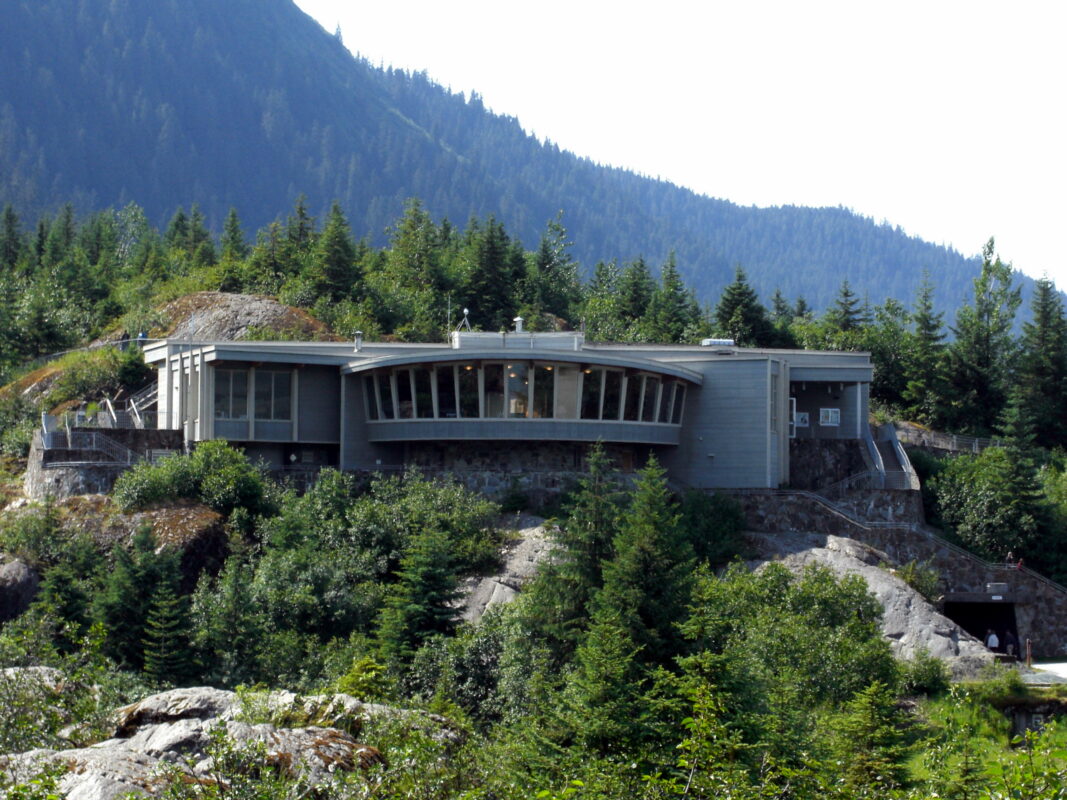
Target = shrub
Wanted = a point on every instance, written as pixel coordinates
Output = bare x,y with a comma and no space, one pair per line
921,576
924,674
214,474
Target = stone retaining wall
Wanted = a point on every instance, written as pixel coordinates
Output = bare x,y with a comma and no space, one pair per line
64,472
817,463
1040,606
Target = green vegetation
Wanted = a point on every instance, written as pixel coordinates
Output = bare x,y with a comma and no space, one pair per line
628,668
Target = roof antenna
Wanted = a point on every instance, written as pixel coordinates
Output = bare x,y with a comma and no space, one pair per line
465,322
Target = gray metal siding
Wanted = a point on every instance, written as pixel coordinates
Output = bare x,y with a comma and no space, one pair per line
725,442
356,451
319,408
234,430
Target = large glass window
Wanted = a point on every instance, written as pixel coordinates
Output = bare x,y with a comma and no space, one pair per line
592,385
648,405
231,394
566,392
273,394
544,391
446,392
612,394
679,404
423,392
371,391
405,400
468,390
632,409
518,390
385,395
665,403
494,390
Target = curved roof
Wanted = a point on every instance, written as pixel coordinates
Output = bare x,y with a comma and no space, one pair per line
555,357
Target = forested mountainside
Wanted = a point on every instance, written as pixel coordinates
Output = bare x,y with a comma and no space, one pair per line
249,103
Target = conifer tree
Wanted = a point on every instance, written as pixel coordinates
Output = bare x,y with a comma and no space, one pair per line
740,315
422,604
234,246
559,604
672,312
336,257
176,237
123,604
925,368
648,582
781,311
872,744
635,289
10,239
166,637
846,314
492,267
1041,376
980,357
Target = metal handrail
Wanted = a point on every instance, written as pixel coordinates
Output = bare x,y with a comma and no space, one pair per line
948,441
102,444
146,396
833,508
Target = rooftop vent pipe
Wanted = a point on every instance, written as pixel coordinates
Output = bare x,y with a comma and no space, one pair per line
518,324
359,341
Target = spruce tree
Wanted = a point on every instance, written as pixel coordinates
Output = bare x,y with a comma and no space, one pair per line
924,391
124,602
234,246
422,604
846,314
672,312
335,257
10,239
648,582
559,601
635,289
740,315
1041,375
980,358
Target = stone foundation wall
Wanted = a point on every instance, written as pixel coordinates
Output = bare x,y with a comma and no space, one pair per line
62,472
884,505
1040,605
817,463
517,458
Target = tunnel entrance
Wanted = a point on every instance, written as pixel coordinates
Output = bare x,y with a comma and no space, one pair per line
976,617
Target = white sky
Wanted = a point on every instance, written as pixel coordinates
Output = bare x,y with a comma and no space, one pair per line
946,118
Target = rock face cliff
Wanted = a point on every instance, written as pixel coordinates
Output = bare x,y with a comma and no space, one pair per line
172,736
220,316
909,622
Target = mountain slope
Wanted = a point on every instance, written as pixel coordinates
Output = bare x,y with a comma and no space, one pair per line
249,103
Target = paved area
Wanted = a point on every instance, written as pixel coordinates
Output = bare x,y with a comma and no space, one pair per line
1045,673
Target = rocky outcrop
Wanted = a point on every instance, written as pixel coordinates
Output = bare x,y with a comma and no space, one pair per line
531,545
218,316
909,622
170,735
18,586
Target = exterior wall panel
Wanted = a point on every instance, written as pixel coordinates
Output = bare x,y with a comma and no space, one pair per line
319,406
725,423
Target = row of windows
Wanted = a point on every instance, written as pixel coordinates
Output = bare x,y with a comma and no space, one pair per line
522,390
273,394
